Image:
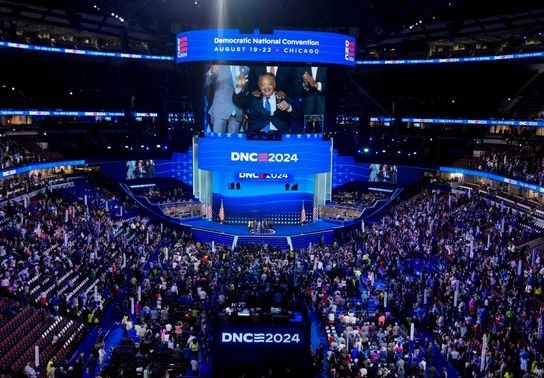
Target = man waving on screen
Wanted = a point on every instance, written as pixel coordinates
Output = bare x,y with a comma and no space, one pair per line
225,115
267,113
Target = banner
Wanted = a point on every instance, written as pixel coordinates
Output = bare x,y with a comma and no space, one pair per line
282,46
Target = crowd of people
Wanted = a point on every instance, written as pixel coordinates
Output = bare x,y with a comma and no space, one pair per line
21,185
65,256
448,264
524,162
168,195
169,325
14,155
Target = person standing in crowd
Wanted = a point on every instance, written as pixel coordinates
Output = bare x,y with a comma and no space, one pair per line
29,370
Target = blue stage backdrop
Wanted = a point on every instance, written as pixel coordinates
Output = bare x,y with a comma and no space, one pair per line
179,167
262,196
253,188
253,180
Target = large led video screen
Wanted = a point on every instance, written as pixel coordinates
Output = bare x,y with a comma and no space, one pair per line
246,180
301,154
383,173
246,345
264,98
136,169
281,46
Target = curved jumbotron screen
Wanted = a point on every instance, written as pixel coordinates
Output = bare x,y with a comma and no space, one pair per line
283,46
235,66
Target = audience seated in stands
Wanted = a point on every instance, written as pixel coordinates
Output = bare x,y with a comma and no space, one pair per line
523,161
446,263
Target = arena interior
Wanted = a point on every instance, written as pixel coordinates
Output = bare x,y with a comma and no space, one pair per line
213,188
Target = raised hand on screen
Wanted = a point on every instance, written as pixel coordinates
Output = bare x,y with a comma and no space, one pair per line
241,80
283,105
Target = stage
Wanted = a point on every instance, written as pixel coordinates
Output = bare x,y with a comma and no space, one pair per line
283,236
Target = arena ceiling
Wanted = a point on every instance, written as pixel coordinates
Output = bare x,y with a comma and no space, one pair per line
373,22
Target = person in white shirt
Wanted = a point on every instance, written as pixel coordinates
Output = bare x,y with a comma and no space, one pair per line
29,370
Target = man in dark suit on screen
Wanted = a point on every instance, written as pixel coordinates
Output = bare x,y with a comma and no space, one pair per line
284,76
267,112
